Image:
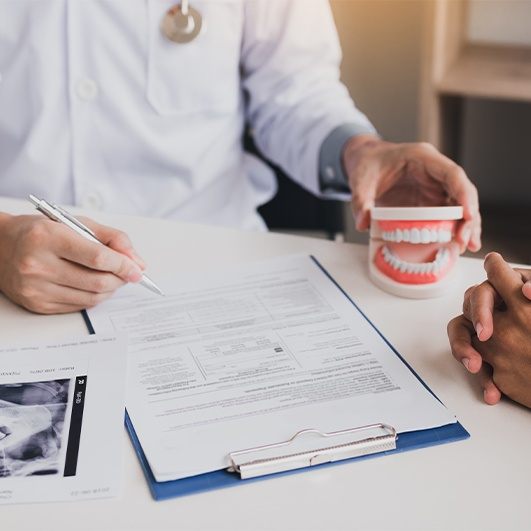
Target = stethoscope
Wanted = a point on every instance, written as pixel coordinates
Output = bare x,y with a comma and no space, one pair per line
182,23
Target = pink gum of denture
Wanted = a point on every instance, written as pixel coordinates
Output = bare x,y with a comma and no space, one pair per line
408,224
411,278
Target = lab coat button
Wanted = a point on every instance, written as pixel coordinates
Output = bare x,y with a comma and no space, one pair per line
93,201
87,89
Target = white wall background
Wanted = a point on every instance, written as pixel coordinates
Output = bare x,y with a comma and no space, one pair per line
500,22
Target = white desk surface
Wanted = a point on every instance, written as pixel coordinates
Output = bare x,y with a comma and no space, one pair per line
482,483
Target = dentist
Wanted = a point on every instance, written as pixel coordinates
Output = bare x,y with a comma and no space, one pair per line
102,105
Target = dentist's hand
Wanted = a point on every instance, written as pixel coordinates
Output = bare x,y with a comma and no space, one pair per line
48,268
493,336
415,174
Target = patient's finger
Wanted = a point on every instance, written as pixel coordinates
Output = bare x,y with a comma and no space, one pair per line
478,307
505,280
460,333
526,289
524,273
491,394
526,277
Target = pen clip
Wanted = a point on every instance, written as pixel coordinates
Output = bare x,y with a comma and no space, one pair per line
44,208
74,220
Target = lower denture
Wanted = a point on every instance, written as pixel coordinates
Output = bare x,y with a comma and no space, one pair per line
405,277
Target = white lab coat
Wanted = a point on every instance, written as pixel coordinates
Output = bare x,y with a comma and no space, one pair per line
98,109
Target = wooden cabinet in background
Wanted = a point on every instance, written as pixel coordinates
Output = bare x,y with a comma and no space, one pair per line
455,69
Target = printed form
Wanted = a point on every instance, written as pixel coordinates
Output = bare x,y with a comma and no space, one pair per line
247,357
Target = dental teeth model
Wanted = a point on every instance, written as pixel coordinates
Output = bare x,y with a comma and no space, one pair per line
411,251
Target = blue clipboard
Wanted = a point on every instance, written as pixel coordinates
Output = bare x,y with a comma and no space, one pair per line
163,490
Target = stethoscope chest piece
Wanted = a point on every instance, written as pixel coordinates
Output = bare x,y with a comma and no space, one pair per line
182,23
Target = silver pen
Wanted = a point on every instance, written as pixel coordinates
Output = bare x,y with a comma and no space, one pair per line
56,213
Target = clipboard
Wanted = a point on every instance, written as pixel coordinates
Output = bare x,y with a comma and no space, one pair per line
282,457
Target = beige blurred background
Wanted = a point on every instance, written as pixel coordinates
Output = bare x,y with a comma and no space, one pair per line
383,44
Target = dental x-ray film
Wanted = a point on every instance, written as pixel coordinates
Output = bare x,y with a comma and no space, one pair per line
61,418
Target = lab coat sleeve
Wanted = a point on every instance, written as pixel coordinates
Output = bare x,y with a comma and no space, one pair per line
290,70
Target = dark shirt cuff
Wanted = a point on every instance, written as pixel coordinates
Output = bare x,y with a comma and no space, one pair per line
332,176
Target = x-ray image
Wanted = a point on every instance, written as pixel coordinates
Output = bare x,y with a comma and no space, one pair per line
32,417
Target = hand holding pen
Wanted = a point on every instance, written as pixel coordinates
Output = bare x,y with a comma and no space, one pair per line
47,267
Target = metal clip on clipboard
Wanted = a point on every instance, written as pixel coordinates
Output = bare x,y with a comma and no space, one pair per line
264,460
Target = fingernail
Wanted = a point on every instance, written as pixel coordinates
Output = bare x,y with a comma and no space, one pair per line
485,397
466,363
479,329
134,275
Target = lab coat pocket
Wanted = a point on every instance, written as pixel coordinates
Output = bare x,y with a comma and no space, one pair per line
202,75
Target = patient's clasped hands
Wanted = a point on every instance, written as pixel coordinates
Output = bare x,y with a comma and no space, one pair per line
492,338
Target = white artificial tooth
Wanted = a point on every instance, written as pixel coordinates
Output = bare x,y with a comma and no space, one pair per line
403,267
405,235
434,235
440,236
415,236
399,235
391,236
430,268
425,268
384,235
447,236
425,236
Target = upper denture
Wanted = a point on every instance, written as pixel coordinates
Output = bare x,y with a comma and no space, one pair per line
417,232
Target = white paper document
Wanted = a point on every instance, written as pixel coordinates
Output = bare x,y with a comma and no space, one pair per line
247,357
61,420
